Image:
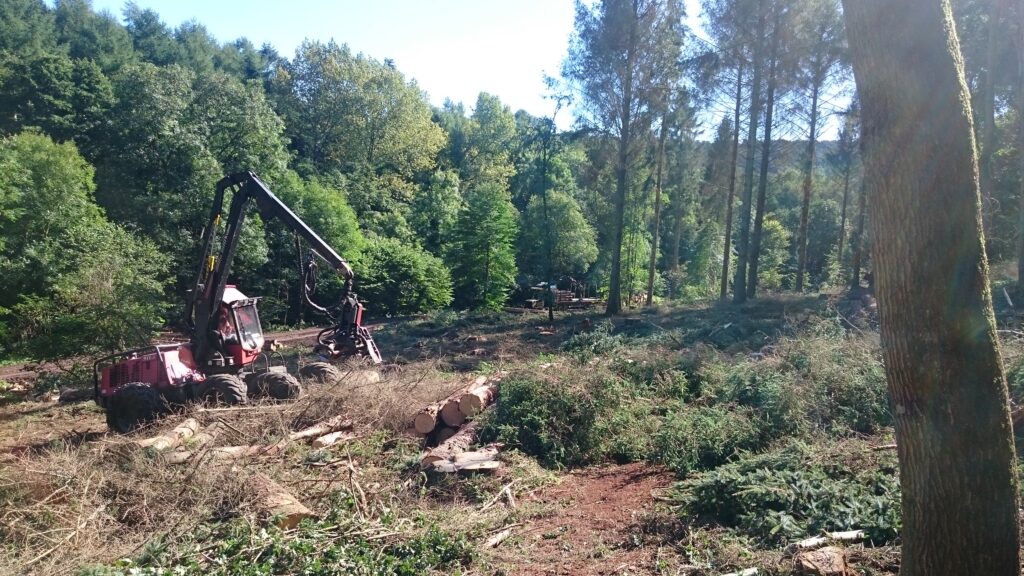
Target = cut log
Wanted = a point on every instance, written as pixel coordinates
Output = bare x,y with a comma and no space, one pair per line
172,439
325,427
277,504
819,541
477,461
450,413
426,420
332,438
453,446
473,402
443,433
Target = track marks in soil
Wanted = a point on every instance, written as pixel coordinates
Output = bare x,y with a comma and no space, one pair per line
595,514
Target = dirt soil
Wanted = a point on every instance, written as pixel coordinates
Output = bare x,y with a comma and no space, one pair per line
593,524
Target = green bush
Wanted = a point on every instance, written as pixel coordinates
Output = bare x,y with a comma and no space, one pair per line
71,282
790,494
702,437
600,340
556,422
397,278
770,393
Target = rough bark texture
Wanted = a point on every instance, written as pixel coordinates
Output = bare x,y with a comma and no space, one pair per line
739,284
727,249
325,427
456,444
946,381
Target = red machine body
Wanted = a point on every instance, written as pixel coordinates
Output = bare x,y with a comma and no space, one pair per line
221,359
172,368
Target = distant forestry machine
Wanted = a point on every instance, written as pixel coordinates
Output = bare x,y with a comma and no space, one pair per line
224,359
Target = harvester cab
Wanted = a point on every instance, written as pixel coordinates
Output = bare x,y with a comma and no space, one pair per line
224,358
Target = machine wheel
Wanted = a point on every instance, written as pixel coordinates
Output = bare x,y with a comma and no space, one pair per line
226,388
320,372
133,405
279,385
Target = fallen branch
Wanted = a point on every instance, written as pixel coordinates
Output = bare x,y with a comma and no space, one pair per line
819,541
326,427
333,438
498,538
172,439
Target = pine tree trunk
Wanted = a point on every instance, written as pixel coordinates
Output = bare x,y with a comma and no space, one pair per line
726,250
739,284
657,211
946,381
614,305
858,239
805,209
766,149
842,214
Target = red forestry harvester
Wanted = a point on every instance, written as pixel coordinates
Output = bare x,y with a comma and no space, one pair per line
224,358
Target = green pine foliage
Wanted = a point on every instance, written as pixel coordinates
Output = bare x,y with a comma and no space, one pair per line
483,256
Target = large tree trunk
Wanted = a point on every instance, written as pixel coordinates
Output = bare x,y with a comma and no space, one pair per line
805,209
614,305
739,283
657,210
766,150
945,374
726,249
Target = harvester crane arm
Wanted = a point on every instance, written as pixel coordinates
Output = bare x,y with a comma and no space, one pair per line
211,280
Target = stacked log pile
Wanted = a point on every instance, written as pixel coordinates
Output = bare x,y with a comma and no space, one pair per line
449,436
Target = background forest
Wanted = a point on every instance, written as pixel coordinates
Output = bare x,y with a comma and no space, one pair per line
115,129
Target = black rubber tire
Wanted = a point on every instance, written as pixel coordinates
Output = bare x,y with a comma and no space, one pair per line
133,405
321,372
279,385
226,389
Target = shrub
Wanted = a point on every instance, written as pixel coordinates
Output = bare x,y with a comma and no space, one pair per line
600,340
401,279
789,494
552,421
71,282
701,437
